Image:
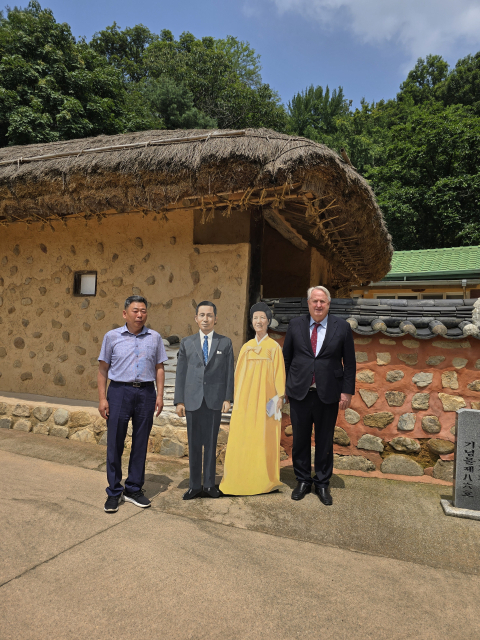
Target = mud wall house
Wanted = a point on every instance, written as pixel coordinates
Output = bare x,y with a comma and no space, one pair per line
178,217
418,362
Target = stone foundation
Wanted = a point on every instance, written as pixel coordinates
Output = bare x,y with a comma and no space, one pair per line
168,436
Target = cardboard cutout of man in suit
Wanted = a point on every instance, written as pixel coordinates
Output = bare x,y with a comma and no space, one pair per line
203,390
319,356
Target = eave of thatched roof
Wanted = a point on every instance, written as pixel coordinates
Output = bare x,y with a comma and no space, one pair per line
306,185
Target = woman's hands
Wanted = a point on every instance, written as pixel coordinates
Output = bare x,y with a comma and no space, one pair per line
280,403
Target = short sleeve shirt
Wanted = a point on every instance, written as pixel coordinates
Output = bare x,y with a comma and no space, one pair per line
132,358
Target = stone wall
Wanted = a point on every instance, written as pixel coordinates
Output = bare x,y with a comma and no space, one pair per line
50,339
402,418
168,436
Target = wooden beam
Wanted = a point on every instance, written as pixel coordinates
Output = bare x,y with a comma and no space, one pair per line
218,202
284,228
257,226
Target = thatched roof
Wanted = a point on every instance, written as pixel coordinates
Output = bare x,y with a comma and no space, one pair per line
305,185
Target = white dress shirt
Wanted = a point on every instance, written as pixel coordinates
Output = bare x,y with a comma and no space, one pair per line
321,331
209,339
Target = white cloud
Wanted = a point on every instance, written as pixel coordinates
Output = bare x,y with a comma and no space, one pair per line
420,27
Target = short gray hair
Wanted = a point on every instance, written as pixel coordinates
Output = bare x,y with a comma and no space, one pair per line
325,291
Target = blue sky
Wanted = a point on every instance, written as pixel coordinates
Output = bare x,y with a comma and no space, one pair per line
366,46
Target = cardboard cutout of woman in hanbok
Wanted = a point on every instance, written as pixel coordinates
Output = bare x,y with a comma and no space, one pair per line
252,460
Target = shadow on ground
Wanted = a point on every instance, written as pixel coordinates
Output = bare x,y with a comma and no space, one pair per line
375,516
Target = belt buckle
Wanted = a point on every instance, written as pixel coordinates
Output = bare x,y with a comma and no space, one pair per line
137,385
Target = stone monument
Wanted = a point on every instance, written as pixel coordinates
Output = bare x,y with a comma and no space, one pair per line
466,477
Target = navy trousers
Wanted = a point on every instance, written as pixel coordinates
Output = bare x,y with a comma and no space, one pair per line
202,431
127,402
304,413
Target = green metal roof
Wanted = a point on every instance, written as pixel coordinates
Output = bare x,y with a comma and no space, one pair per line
435,263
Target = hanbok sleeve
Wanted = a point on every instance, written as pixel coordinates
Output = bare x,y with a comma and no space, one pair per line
279,371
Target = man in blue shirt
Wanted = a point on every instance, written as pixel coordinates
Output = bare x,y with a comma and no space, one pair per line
132,358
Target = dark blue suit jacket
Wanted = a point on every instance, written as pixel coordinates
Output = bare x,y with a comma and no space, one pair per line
334,367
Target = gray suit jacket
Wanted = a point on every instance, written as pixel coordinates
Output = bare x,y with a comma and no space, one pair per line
195,380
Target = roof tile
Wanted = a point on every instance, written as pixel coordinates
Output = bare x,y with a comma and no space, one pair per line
425,261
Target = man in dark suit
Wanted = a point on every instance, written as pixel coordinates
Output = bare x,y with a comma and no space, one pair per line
320,364
203,390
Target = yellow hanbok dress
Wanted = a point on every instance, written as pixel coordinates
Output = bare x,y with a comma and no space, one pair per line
252,459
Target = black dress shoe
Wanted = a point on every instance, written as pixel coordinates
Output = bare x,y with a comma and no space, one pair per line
211,492
324,494
192,493
301,490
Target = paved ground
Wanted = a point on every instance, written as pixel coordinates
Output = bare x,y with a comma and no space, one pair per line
383,562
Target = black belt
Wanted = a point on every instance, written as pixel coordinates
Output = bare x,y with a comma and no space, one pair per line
138,385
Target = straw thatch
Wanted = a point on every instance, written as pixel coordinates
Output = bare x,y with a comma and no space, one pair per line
321,198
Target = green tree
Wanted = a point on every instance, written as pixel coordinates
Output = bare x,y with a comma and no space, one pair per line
364,134
52,87
462,86
313,113
429,185
173,105
424,79
223,77
125,50
243,59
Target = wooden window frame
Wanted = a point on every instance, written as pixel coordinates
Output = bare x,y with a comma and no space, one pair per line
77,280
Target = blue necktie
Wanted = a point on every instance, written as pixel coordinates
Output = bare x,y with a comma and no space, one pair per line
205,349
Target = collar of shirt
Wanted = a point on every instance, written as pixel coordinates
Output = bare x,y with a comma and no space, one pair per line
144,330
259,341
323,323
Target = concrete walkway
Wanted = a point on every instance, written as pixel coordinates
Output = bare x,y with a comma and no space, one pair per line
383,562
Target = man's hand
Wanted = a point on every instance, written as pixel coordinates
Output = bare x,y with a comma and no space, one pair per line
158,405
103,408
180,410
345,400
226,407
